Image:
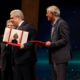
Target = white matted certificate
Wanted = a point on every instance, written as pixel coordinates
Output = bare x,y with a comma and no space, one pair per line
6,35
15,37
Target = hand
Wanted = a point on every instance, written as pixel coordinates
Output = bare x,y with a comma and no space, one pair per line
48,44
21,46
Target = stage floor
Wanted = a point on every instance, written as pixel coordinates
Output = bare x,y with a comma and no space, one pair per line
43,68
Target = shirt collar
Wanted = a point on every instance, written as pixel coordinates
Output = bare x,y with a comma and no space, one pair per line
21,23
56,19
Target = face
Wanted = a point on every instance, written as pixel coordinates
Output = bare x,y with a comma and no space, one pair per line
50,16
10,25
14,19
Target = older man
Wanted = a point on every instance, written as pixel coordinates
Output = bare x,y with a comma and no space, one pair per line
24,58
59,45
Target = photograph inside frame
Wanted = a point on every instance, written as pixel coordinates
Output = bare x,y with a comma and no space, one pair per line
15,37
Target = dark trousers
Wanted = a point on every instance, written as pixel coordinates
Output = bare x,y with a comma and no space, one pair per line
59,71
24,72
0,74
7,74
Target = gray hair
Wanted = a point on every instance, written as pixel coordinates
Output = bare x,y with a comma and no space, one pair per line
54,9
18,13
9,20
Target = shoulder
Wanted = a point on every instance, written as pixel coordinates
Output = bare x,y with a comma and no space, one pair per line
62,21
28,27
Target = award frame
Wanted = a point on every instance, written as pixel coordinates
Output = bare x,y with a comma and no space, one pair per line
18,36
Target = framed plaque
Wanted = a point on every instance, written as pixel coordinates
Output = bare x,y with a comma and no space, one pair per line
15,37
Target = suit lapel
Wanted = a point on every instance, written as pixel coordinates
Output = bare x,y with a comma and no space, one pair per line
21,26
55,30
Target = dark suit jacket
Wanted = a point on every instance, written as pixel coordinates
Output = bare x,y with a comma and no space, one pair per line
5,56
0,60
27,54
0,49
60,49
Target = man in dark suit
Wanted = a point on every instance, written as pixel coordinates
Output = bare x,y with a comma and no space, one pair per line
59,45
5,57
6,69
24,58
